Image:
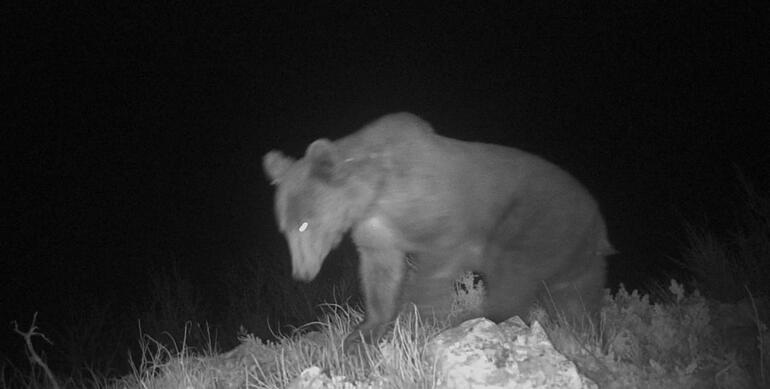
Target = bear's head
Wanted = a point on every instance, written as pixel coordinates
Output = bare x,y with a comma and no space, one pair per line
317,200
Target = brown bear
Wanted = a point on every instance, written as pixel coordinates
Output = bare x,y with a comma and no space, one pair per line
423,209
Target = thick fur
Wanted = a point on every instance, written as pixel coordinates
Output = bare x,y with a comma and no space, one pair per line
530,229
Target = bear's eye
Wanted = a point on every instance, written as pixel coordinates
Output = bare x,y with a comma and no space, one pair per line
303,226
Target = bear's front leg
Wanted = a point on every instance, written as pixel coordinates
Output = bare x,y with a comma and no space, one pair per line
382,275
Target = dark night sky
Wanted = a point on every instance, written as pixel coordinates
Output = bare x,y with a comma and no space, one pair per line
134,134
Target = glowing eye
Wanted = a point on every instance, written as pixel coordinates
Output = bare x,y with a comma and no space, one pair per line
303,227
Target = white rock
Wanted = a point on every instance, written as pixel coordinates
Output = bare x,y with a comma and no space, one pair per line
480,354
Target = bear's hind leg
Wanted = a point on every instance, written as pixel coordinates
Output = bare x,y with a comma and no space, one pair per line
510,292
382,275
432,294
579,298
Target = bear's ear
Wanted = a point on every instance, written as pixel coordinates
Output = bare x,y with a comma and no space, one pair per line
276,164
324,160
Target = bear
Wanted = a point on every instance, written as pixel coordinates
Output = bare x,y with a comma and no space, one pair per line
423,209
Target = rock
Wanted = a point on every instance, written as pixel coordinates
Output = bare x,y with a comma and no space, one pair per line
480,354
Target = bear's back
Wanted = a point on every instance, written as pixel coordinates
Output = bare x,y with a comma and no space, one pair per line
390,131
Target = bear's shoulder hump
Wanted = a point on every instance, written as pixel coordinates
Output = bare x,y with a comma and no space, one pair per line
401,123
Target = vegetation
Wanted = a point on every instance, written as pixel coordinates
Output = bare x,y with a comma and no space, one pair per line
712,333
